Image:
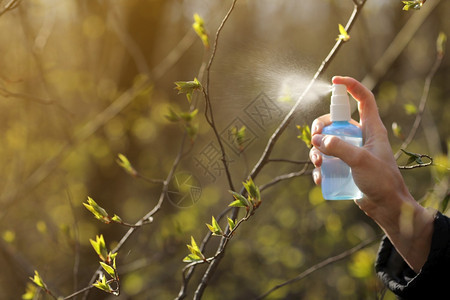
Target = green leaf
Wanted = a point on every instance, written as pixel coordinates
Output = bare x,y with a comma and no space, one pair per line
188,87
126,165
416,4
30,292
102,285
96,210
196,254
199,28
100,247
110,270
305,134
38,280
343,35
214,227
192,258
239,136
410,108
188,116
397,130
240,201
413,157
252,189
172,116
231,224
440,43
116,219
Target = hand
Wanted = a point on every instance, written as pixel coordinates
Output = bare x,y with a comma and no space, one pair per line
375,172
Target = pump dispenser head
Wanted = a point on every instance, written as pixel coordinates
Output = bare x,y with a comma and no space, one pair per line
340,105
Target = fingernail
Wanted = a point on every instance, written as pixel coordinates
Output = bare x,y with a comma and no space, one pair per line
316,140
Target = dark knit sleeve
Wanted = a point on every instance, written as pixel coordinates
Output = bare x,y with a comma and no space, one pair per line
432,282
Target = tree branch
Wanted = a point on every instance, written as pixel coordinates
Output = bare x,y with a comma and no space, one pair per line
271,143
423,101
320,265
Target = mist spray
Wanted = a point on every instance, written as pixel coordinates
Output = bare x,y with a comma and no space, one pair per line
337,179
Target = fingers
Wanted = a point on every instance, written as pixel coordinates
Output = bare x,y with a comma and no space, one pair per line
334,146
367,106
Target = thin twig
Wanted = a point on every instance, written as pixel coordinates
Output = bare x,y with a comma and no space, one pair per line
320,265
150,214
423,101
283,177
291,114
270,145
296,162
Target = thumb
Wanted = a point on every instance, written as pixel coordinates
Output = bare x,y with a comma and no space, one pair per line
334,146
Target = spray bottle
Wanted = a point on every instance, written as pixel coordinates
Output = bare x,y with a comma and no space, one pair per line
337,180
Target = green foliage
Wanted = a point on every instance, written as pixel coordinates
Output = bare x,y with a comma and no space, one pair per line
38,281
103,285
305,134
397,130
188,87
416,4
410,108
240,201
30,292
214,227
231,223
110,270
98,211
199,28
196,254
343,35
123,161
413,157
239,136
100,247
441,43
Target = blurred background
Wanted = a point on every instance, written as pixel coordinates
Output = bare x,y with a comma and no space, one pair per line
82,81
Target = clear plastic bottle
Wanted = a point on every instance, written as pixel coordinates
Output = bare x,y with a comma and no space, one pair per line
337,179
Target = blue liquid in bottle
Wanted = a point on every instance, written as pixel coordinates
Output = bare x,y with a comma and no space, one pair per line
337,179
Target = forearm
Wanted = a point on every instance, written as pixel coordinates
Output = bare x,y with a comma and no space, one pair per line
408,225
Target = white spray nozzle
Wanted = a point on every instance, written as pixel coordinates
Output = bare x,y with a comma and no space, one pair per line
340,105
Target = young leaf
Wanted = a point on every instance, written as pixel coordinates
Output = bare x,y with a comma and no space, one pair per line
413,157
239,136
214,227
188,116
126,165
231,224
96,210
38,280
30,292
110,270
397,130
102,285
199,28
416,4
440,43
172,116
305,134
192,258
343,35
240,201
196,254
116,219
188,87
410,108
252,189
100,247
